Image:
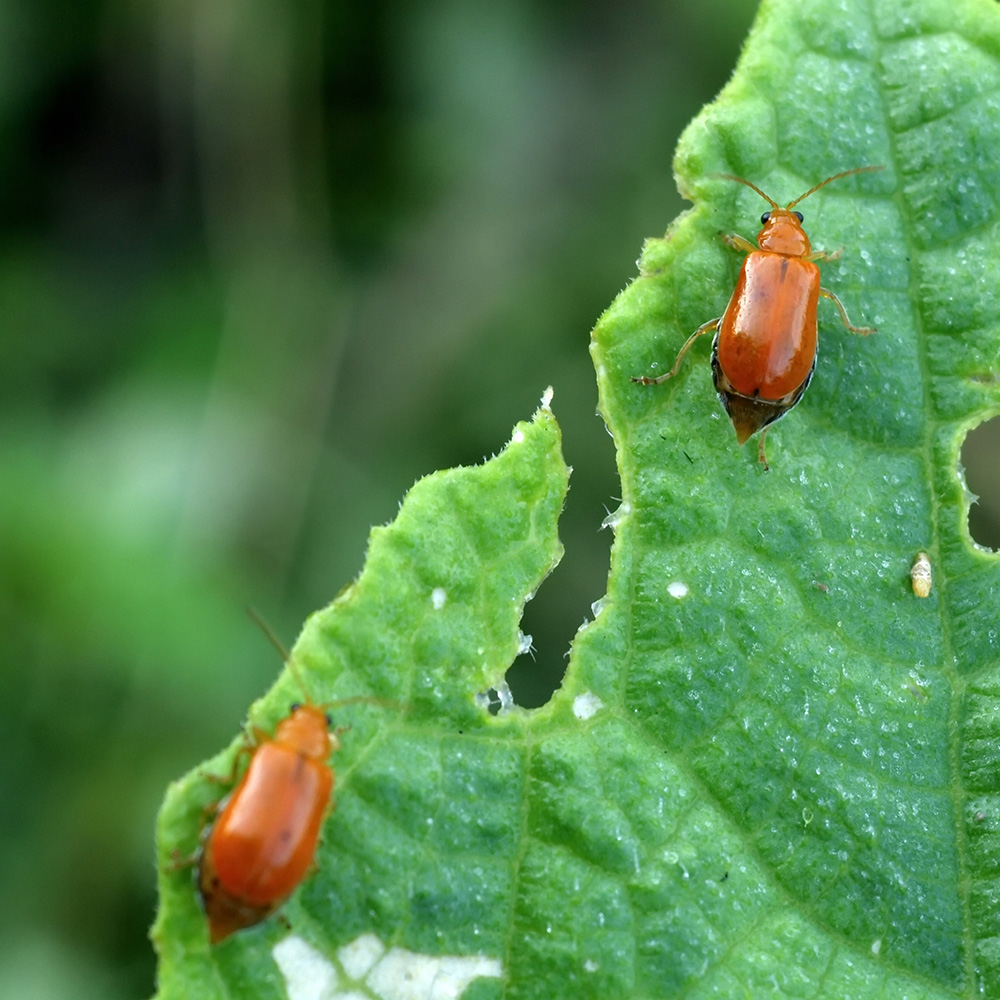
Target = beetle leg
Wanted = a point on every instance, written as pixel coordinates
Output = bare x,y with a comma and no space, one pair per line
862,330
250,742
179,862
824,254
712,324
335,737
738,243
761,454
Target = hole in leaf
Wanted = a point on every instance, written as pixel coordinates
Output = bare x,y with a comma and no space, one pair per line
564,599
981,458
554,616
496,699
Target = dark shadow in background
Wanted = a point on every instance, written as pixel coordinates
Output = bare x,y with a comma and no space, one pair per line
982,475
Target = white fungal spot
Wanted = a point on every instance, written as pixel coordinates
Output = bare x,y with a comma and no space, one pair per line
677,589
438,597
396,974
590,966
518,436
876,946
587,705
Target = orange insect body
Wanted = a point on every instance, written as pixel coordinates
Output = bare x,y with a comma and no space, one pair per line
263,842
767,341
764,350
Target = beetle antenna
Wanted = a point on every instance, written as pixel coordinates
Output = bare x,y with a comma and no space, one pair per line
364,699
743,180
835,177
256,618
279,646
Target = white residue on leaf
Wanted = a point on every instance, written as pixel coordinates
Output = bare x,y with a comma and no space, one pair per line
547,398
396,974
587,705
517,437
407,975
615,517
523,643
677,589
876,946
438,597
504,693
308,975
360,955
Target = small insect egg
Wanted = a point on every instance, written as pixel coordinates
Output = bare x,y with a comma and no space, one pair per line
920,575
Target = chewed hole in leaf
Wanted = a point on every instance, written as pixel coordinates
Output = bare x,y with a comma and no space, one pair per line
538,670
981,459
554,616
497,699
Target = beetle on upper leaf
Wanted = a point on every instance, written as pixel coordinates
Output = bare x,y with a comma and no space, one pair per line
764,350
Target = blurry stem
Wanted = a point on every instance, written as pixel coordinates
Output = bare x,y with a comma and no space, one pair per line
255,69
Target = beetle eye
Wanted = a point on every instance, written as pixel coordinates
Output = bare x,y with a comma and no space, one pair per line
798,215
295,706
764,218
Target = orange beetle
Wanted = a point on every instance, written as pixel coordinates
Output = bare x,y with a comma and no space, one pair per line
764,350
263,842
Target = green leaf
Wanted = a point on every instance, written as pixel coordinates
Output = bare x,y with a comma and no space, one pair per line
771,770
837,736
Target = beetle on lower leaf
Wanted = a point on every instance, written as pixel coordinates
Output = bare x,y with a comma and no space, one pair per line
764,350
262,844
263,840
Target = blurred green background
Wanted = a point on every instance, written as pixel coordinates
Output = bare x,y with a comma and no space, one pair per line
262,265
